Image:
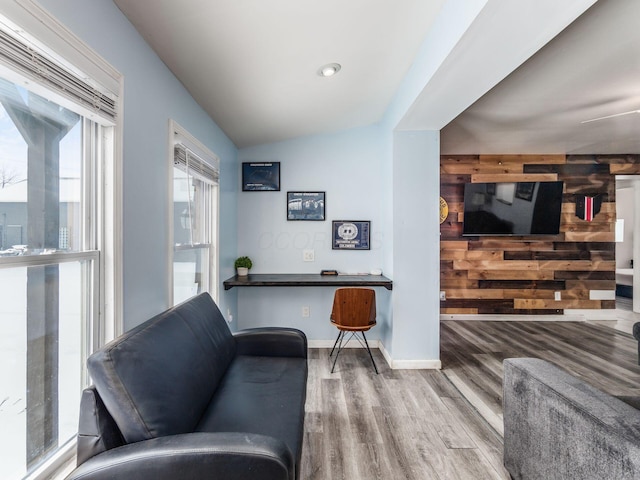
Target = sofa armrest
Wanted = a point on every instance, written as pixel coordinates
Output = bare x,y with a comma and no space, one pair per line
271,342
556,426
193,456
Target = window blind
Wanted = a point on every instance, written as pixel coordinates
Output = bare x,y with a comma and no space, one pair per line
193,165
36,66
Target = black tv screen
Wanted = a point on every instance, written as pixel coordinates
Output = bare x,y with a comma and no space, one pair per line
517,208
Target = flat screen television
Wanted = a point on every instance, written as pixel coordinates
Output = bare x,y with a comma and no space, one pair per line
516,208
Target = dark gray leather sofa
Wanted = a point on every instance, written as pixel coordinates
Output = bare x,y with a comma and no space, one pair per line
180,397
557,427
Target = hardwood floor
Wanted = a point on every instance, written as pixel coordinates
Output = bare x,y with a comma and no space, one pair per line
472,354
429,424
625,317
400,424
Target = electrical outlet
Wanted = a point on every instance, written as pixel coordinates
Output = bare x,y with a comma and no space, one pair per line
557,296
306,312
443,296
308,255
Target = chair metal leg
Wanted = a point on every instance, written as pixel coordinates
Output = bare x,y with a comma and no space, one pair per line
370,354
338,352
340,333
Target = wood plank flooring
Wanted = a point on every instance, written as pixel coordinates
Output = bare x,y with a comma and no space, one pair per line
472,354
400,424
428,424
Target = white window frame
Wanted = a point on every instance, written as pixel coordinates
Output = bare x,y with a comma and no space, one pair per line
27,20
178,134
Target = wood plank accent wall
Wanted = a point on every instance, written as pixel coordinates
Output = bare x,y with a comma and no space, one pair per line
519,275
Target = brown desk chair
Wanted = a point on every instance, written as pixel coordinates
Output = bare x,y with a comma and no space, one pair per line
354,310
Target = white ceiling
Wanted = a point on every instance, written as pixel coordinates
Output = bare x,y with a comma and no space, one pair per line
590,70
252,66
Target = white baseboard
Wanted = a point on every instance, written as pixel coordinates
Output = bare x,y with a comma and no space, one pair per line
386,355
410,364
393,364
574,316
416,365
570,315
602,314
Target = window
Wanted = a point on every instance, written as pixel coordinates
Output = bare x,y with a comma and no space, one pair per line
195,212
47,270
57,150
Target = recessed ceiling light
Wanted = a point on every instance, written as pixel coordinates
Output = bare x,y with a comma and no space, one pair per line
329,70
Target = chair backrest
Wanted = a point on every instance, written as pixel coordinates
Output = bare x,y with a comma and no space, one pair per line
354,308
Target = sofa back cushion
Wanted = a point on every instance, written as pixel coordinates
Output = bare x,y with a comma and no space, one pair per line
158,378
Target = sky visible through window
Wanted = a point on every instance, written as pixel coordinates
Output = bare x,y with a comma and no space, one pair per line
13,155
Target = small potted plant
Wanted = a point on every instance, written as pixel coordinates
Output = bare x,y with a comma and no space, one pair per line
243,264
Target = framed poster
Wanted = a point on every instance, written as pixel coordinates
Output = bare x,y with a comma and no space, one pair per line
351,235
305,206
260,176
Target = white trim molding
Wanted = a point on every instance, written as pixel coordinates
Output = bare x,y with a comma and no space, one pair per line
423,364
569,316
420,364
595,314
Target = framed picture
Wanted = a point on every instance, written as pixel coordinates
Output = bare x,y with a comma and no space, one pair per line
260,176
351,235
305,206
491,188
524,190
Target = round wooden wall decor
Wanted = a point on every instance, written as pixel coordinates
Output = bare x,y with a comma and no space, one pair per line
444,210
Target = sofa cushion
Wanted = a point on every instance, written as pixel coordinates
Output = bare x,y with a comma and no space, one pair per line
262,395
158,378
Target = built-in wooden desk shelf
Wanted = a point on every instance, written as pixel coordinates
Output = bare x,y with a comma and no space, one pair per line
307,280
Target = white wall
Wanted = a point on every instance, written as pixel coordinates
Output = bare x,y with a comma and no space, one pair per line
152,95
368,174
350,166
625,210
354,167
416,254
365,178
406,180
